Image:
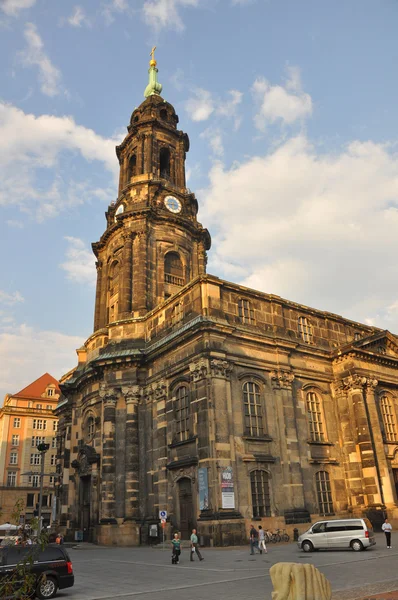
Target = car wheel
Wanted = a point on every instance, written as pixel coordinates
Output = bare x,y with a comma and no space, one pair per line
307,546
47,587
356,545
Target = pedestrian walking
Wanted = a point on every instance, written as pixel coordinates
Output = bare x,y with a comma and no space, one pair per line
387,528
195,545
261,540
253,539
176,545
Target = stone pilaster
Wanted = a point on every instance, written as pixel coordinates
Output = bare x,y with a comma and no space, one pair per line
100,283
140,273
109,399
126,289
160,436
132,395
293,485
355,386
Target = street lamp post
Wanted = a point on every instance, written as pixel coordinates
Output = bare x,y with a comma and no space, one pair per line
42,448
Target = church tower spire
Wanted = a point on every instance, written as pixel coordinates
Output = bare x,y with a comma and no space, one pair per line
153,243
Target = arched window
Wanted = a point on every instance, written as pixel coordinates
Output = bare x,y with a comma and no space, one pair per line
246,313
390,425
182,413
324,493
119,211
164,162
253,409
90,428
260,494
132,166
173,269
305,329
113,291
315,417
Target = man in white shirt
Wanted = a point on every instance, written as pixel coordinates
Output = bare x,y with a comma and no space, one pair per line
387,528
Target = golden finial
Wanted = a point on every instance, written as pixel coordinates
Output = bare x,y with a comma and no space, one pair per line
152,62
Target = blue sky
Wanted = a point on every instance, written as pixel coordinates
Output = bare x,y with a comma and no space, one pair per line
291,111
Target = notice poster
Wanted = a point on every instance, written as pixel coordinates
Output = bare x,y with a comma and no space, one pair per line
203,489
227,488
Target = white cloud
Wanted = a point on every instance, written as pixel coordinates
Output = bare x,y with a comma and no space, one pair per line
287,104
228,108
10,299
317,228
12,8
112,7
29,144
34,55
214,136
26,353
78,18
200,106
165,13
80,262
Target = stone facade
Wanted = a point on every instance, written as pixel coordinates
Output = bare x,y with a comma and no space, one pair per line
185,371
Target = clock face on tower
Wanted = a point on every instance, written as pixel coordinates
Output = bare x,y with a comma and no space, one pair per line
172,204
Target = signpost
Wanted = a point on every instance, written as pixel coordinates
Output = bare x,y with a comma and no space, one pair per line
163,518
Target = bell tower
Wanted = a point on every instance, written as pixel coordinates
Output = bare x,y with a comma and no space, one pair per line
153,243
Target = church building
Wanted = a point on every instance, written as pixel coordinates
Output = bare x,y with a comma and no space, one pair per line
218,404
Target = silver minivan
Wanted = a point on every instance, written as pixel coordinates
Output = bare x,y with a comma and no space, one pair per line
345,533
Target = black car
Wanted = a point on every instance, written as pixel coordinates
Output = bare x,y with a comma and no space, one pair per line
47,570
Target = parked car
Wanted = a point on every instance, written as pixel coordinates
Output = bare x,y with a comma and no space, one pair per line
345,533
50,567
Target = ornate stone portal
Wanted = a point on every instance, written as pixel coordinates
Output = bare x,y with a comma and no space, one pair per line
221,405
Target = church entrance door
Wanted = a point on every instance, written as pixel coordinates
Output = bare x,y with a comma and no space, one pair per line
85,505
186,508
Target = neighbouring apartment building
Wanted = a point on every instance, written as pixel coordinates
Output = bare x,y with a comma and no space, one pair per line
26,420
217,403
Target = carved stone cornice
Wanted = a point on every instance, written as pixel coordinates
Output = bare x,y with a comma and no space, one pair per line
132,393
220,368
160,389
198,369
281,379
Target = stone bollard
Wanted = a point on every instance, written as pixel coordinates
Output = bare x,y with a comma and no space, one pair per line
294,581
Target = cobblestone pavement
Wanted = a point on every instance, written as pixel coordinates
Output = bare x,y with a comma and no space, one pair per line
229,573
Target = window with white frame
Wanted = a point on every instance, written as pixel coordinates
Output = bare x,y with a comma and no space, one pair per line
17,422
34,480
49,407
51,479
38,439
253,409
315,417
15,439
259,482
54,442
39,424
13,458
52,459
245,311
11,478
55,425
182,413
304,329
39,406
35,459
50,392
324,493
387,411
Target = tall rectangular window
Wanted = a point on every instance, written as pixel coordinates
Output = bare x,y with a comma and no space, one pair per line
55,425
52,460
324,493
15,440
14,458
304,329
34,480
246,313
11,478
182,413
390,425
38,439
39,424
253,409
39,406
315,421
35,459
17,422
54,442
260,494
30,500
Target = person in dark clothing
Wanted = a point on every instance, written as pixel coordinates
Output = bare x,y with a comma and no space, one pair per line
195,545
253,539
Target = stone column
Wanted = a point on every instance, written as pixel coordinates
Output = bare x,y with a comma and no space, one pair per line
97,324
132,395
159,398
125,295
378,443
355,386
293,485
140,272
108,456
